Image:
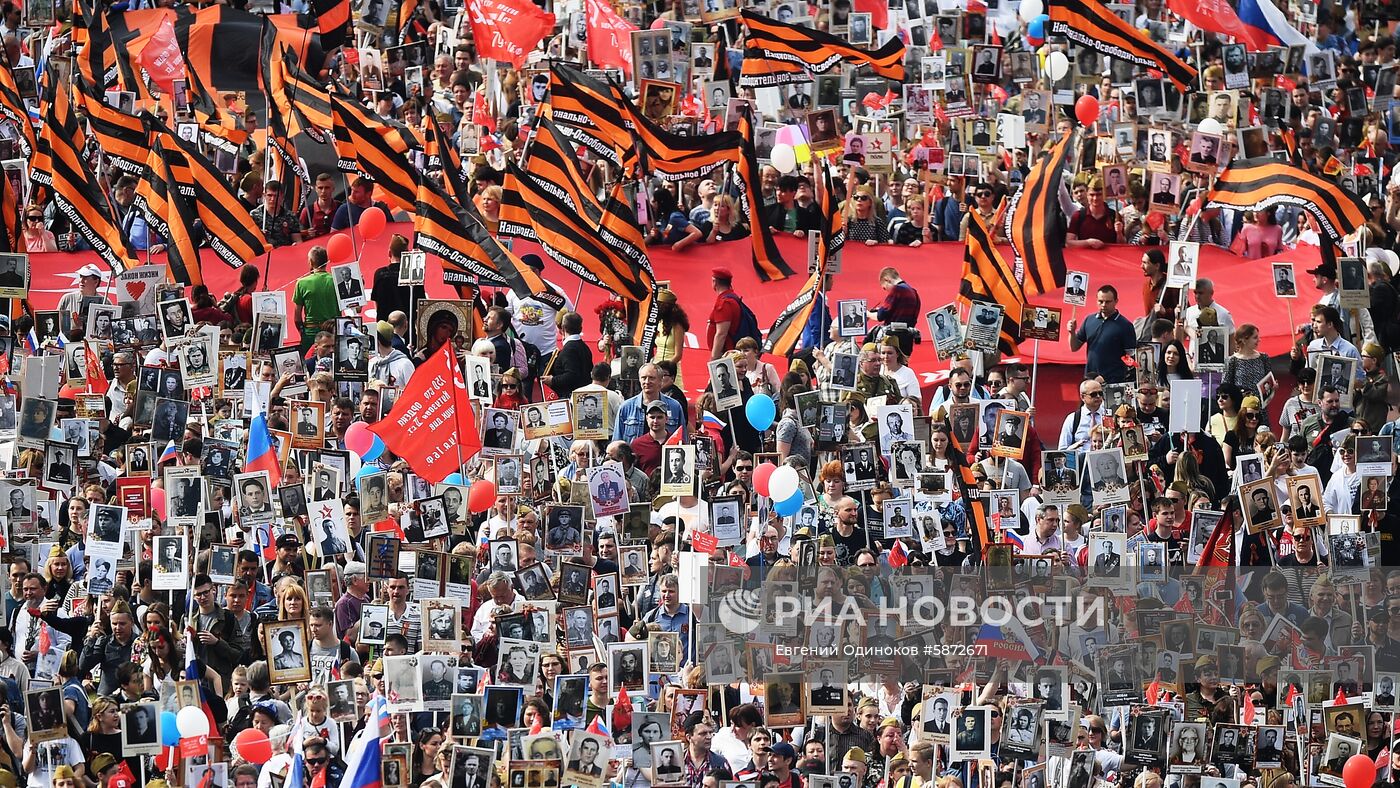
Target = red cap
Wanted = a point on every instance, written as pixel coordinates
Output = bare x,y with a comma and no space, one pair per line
723,274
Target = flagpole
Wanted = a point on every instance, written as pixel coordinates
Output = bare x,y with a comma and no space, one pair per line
1035,367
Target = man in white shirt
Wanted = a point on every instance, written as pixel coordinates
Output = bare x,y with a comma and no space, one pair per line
534,321
502,595
1075,431
1190,318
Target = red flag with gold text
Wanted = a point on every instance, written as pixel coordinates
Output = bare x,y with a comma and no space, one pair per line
432,426
508,29
609,37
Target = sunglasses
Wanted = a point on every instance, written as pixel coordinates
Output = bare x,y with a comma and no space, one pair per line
510,385
35,218
862,198
317,761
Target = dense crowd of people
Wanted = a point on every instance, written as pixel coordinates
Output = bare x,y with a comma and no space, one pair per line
220,577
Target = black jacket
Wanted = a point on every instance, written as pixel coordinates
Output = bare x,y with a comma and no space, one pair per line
775,216
572,366
388,296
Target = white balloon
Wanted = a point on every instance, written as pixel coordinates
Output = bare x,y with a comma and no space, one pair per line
191,722
783,483
783,157
1057,65
1210,126
1030,9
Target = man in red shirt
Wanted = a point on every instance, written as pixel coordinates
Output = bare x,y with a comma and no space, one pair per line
724,317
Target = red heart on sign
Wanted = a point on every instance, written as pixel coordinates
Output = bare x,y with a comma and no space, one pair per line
135,289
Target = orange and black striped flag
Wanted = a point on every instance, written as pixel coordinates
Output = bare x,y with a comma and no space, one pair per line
12,109
296,102
229,228
440,228
121,137
218,128
1035,224
11,217
767,260
1090,23
676,157
457,234
366,144
974,506
777,53
550,202
589,113
170,212
791,322
59,167
1259,183
98,60
440,155
987,277
333,22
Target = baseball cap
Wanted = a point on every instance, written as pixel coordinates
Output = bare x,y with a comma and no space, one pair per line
90,270
533,260
656,404
288,540
784,749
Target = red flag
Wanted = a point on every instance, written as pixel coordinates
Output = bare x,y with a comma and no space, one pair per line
610,37
898,555
420,428
1341,699
1154,691
704,542
1220,547
161,57
123,778
1248,714
1292,693
1218,17
879,13
508,29
481,114
45,639
622,711
676,438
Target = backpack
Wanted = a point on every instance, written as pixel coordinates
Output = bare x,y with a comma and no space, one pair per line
748,322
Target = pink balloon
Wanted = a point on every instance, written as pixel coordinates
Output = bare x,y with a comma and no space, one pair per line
358,438
158,502
761,475
372,222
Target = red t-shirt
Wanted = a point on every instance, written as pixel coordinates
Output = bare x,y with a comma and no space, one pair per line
726,310
1085,226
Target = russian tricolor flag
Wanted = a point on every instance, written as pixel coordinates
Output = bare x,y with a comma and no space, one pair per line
261,455
363,756
1270,26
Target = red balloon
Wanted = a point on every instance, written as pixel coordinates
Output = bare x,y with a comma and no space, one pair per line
1359,771
760,477
1087,110
481,496
372,221
253,746
340,248
158,503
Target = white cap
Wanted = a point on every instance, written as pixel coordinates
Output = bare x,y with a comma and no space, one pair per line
92,270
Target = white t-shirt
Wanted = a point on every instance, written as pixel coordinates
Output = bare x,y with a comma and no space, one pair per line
534,320
49,757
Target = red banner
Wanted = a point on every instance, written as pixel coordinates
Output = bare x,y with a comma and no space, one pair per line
508,29
609,37
1218,17
161,57
432,426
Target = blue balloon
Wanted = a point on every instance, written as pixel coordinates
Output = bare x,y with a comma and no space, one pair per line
454,478
169,734
761,411
790,506
377,448
366,470
1036,29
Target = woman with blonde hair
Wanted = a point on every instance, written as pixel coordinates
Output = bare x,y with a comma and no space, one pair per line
292,602
862,223
672,323
728,224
